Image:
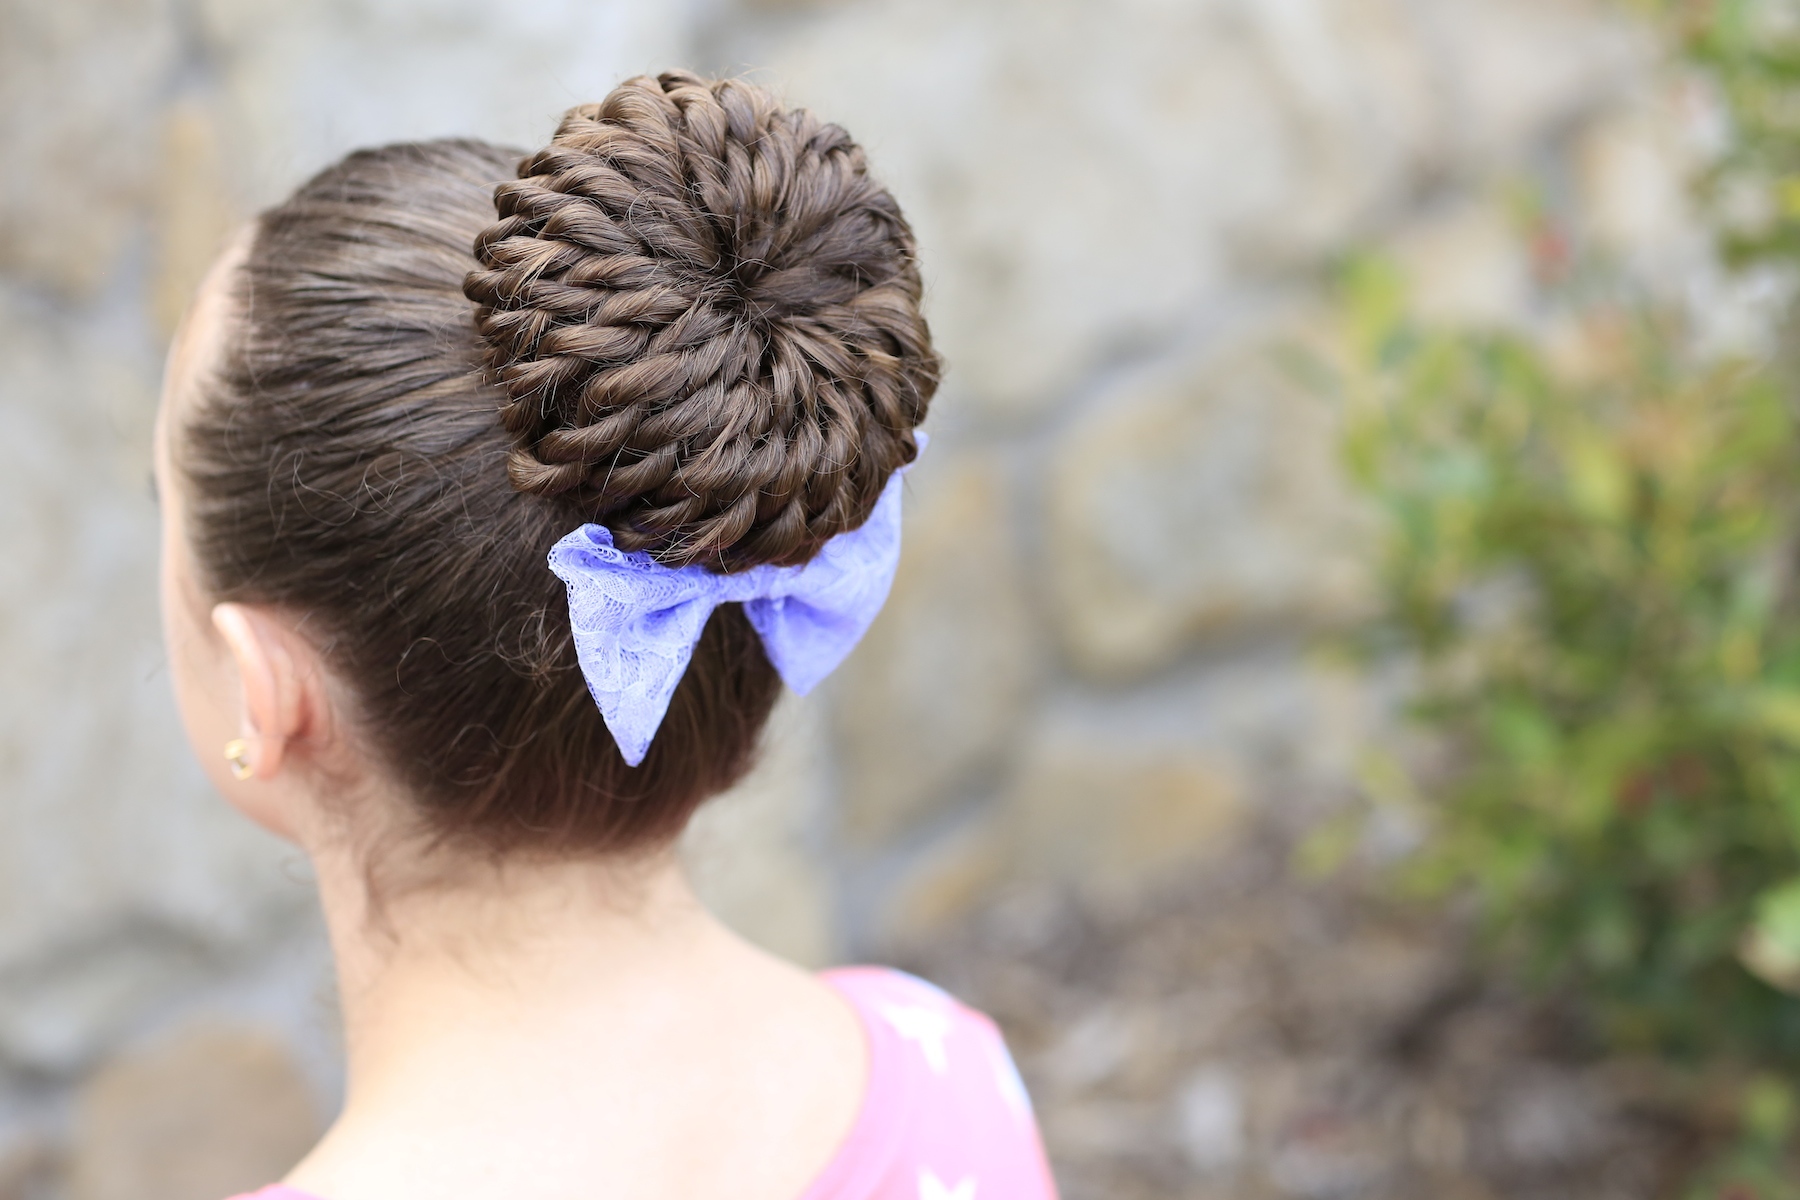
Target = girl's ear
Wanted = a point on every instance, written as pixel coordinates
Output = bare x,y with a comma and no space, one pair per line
278,685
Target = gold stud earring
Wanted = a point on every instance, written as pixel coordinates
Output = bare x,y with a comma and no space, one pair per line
237,753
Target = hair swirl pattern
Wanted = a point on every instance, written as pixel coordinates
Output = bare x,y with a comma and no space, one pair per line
705,316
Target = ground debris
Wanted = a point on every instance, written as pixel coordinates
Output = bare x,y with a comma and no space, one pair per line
1245,1035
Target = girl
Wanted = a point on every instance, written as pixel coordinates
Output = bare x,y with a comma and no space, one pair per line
494,518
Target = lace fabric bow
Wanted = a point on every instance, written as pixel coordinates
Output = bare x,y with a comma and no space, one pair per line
636,621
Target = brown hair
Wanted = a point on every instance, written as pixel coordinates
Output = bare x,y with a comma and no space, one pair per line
696,321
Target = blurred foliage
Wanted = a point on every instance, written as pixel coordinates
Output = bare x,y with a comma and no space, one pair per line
1749,50
1591,567
1594,581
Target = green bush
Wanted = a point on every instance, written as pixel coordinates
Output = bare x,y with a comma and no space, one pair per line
1593,584
1591,577
1750,52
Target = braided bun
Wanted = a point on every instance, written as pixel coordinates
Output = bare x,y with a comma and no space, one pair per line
705,316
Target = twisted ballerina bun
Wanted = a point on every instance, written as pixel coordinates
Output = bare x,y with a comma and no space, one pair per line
705,316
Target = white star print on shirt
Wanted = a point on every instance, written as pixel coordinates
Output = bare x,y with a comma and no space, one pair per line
932,1188
926,1026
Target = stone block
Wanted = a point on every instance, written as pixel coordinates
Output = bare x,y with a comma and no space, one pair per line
1514,72
934,692
1361,93
1634,167
1633,208
1114,815
1209,1120
1076,190
81,84
69,1002
1200,502
1085,176
1467,265
1633,182
756,854
29,1165
1112,791
302,84
195,208
785,7
949,879
1105,813
123,877
212,1111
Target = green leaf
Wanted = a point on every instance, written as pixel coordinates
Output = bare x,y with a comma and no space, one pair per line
1771,946
1776,711
1769,1109
1599,481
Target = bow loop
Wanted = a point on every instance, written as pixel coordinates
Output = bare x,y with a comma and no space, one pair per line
636,622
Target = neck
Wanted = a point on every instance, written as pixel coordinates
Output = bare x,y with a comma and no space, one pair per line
552,1029
491,955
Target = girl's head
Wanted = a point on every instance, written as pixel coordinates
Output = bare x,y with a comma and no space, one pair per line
693,319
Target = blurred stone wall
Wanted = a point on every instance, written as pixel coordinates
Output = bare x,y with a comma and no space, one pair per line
1095,668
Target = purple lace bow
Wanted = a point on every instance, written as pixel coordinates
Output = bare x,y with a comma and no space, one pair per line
636,621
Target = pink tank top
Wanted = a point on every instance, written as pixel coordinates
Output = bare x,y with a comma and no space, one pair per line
945,1116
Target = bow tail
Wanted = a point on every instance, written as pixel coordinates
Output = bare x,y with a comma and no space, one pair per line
634,666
